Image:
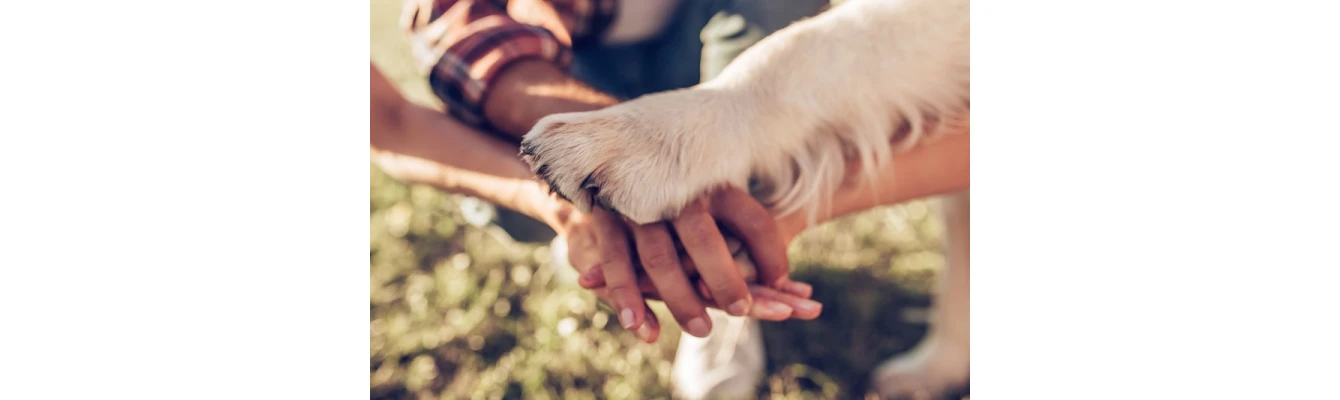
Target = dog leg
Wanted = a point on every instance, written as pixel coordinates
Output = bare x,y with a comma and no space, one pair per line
788,112
938,366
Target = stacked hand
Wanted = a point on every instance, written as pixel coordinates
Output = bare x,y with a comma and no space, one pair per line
687,262
625,263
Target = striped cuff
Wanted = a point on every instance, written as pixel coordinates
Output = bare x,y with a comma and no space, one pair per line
462,76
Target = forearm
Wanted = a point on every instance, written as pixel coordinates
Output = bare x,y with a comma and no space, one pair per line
437,151
420,145
931,169
937,168
529,90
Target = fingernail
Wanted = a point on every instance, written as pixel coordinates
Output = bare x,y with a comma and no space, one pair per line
697,327
644,332
778,308
626,318
809,305
738,308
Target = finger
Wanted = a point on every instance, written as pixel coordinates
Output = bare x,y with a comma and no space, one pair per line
408,13
801,289
803,308
414,14
740,254
754,225
661,264
615,262
703,242
594,278
426,10
651,327
768,308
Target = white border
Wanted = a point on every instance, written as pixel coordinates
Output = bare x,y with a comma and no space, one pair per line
1154,203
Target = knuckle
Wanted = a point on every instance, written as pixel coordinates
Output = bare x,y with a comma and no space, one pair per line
618,286
624,289
764,226
724,290
697,206
614,256
615,269
696,234
696,212
659,261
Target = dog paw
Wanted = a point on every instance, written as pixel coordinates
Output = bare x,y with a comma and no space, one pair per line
644,159
933,370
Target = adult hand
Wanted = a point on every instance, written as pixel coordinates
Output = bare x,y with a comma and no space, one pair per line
529,90
599,248
706,263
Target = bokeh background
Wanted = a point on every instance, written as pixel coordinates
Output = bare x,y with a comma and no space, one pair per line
463,309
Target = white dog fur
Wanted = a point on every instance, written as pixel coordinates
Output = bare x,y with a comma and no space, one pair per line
785,116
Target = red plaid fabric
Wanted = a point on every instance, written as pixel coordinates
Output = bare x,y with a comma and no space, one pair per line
465,43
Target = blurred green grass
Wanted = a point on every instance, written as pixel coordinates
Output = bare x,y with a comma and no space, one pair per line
461,310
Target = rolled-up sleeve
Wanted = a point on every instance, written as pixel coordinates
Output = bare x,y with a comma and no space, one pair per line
464,44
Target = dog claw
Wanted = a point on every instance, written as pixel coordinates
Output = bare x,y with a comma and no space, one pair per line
589,182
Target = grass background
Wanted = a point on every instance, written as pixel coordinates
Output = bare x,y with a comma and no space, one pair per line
462,310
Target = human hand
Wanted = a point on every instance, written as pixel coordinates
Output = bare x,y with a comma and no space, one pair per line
599,249
705,263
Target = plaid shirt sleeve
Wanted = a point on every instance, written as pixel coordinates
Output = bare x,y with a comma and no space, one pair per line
463,44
